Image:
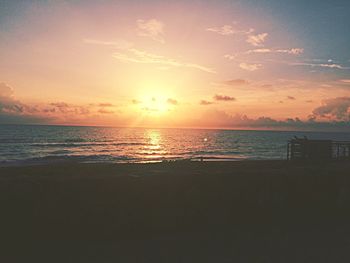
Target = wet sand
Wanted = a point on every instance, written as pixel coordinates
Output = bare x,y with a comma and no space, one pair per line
250,211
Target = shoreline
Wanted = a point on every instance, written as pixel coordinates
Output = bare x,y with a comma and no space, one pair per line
68,160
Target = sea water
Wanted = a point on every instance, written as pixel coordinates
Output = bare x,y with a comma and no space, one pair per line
40,144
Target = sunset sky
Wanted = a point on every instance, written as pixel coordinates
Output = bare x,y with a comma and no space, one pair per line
252,64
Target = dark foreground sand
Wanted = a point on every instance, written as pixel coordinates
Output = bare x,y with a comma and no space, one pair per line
253,211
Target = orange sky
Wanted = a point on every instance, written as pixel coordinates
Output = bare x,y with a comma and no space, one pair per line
203,64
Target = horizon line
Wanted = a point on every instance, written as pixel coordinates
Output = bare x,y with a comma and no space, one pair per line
180,128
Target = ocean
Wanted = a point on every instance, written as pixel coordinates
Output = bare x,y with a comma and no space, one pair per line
27,144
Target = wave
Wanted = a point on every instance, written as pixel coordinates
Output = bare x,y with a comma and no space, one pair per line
61,152
75,140
68,159
86,144
13,140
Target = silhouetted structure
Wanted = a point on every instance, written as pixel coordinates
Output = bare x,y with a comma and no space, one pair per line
305,149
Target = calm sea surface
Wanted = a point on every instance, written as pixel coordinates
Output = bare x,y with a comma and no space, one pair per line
30,144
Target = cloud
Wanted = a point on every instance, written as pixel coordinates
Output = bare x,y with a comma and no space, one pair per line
14,111
292,51
249,67
8,103
259,50
346,81
216,118
172,101
230,57
235,82
5,91
219,97
334,109
105,105
205,102
104,111
227,30
257,40
62,105
139,56
333,66
64,108
202,68
321,65
290,97
151,28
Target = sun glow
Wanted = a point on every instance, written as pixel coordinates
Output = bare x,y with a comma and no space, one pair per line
154,105
155,101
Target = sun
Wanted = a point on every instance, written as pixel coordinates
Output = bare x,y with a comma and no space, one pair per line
155,97
154,105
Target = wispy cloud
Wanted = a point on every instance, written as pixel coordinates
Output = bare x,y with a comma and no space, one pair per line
230,57
259,50
249,67
321,65
235,82
151,28
292,51
291,98
346,81
227,30
138,56
105,105
219,97
257,40
333,66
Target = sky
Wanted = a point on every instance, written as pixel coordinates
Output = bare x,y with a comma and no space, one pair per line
267,64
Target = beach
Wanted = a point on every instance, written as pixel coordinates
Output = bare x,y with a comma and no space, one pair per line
179,211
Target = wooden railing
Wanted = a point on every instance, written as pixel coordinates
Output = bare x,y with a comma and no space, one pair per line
305,149
341,149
